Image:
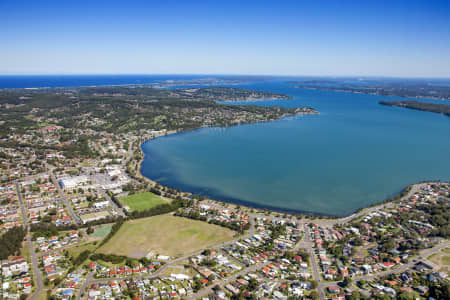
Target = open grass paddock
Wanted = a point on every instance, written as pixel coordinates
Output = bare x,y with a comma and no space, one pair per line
442,259
165,235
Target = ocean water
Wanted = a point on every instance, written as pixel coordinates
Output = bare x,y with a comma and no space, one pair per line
34,81
355,153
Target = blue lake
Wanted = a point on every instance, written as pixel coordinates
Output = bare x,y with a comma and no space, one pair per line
355,153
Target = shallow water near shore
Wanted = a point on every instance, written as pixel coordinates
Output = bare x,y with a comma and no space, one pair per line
355,153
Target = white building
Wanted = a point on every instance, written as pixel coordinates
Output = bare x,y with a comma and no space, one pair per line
72,182
15,267
101,204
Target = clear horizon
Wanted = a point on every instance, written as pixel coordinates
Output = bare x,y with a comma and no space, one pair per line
228,74
393,39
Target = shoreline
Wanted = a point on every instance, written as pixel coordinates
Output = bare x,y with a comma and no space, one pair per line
175,132
373,94
264,209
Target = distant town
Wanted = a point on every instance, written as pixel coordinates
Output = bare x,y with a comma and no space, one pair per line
79,221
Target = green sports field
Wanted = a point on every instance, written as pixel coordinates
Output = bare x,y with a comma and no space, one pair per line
165,235
142,201
102,231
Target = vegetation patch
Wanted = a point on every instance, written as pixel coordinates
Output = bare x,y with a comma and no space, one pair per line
94,215
442,259
165,235
102,231
142,201
11,242
74,252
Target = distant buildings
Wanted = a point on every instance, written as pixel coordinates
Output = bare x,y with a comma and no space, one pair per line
72,182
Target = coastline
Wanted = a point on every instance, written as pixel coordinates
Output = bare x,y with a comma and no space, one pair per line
265,209
373,94
175,132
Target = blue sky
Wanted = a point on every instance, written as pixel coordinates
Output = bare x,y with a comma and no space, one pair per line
378,38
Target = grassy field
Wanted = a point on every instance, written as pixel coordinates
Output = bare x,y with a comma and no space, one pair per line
180,268
142,201
165,235
75,251
102,231
442,259
25,250
42,296
94,214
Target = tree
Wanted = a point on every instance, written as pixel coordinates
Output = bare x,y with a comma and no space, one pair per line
11,242
252,284
355,295
314,295
347,281
211,277
440,290
406,296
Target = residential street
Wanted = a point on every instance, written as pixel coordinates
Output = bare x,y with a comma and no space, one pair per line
305,243
313,262
422,257
74,217
85,284
36,272
179,259
208,290
117,209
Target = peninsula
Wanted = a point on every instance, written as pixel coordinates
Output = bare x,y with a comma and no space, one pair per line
79,221
232,94
382,87
424,106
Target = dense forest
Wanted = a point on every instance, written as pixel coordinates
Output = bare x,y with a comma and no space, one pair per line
11,242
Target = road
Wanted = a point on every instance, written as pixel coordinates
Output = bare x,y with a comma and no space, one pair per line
22,206
171,263
313,262
34,261
36,271
63,248
208,290
85,284
321,284
305,243
332,222
129,154
69,208
422,257
102,192
253,268
368,210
